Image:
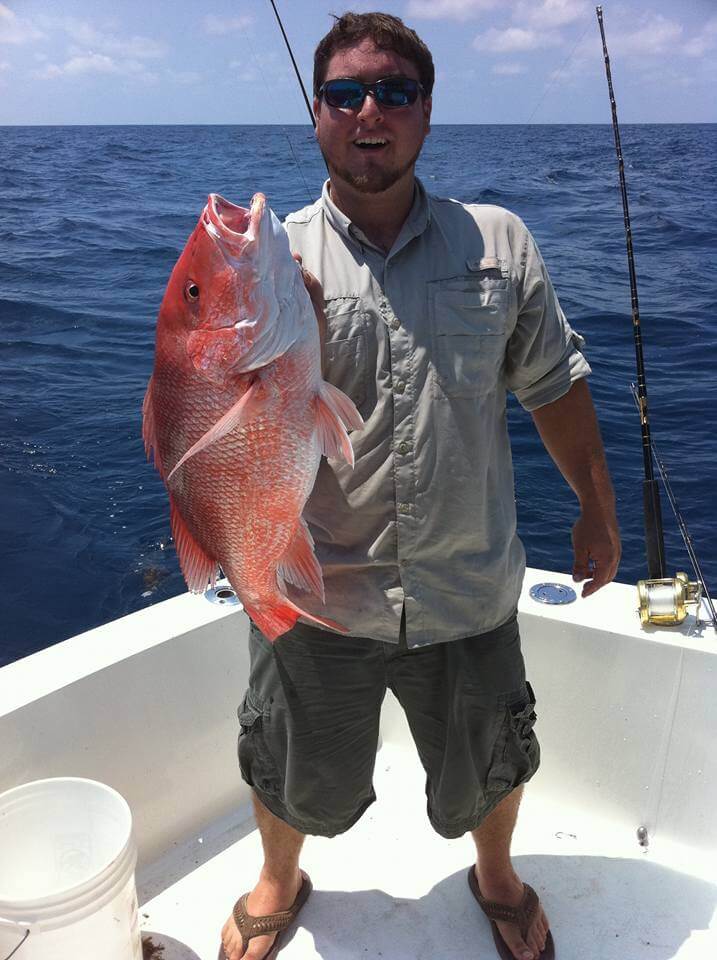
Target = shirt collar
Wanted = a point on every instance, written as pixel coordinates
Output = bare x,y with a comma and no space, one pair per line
419,216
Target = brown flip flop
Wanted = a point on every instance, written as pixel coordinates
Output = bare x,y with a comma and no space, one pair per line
250,926
522,915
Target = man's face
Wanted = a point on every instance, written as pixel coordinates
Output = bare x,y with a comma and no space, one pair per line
371,169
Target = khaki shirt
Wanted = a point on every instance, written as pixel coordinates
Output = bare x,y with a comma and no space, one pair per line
426,340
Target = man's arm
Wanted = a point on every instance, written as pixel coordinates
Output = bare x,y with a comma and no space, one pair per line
570,433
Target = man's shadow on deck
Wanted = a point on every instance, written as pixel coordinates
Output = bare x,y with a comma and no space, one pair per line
599,909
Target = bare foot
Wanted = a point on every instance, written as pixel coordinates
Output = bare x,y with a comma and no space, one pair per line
268,896
509,890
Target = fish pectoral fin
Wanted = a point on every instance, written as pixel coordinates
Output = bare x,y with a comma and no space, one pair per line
335,412
199,569
299,565
149,428
251,404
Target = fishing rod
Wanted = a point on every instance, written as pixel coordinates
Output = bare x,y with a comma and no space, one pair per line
296,69
654,538
663,600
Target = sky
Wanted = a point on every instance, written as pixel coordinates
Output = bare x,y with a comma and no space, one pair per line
497,61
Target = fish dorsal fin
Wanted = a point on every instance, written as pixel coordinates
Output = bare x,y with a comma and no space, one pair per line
246,408
199,569
335,412
299,565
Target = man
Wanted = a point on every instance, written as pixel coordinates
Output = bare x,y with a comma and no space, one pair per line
433,309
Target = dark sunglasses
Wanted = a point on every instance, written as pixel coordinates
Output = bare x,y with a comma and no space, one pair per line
349,94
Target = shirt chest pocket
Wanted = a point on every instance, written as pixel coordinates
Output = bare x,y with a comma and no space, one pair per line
469,325
346,348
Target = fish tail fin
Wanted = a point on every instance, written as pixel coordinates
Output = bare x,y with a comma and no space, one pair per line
335,412
199,569
274,619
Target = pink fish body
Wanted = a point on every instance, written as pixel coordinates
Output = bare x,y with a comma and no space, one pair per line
237,414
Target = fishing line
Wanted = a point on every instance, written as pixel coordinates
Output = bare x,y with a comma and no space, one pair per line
557,73
257,62
296,71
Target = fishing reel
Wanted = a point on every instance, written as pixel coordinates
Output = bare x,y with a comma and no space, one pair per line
664,602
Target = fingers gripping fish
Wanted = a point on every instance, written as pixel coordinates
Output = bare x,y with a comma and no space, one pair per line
237,415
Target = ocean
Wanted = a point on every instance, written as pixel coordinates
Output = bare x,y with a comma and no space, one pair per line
92,220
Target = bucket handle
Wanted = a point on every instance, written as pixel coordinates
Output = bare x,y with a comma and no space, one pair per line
22,926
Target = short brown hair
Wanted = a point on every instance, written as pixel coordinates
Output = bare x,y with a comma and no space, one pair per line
386,31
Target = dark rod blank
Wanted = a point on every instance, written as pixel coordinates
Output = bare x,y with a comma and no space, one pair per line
654,538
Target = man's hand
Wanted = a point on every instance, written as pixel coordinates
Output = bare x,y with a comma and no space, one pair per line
596,544
569,430
316,293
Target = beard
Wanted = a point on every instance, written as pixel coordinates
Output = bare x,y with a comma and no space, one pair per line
377,179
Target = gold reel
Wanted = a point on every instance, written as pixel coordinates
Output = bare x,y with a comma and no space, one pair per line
665,602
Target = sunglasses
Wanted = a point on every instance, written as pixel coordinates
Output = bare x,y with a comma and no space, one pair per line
349,94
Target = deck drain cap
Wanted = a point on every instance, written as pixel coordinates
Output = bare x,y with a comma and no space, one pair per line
222,593
552,593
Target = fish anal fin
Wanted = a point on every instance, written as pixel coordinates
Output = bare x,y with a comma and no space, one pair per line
275,619
199,569
299,565
334,413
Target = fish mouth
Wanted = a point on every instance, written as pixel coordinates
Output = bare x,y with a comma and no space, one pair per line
233,226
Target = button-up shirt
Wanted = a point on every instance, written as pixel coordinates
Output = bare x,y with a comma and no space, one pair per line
426,340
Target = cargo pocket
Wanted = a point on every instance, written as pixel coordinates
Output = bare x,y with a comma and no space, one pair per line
517,753
257,765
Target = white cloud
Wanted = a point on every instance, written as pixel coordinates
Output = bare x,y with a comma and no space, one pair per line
509,69
86,36
450,9
652,37
96,63
705,41
184,76
551,13
512,39
217,26
15,30
244,72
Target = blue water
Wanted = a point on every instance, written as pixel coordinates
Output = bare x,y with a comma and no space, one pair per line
92,220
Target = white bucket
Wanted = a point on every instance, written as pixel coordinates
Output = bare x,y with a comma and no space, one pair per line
67,859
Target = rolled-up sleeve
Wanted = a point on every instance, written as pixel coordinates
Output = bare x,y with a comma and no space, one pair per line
544,355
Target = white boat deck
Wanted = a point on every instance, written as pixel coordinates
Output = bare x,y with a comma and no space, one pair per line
627,727
392,888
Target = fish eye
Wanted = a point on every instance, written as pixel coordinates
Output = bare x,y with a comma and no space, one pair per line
191,290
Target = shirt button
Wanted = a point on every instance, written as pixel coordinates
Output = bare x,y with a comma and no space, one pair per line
404,508
403,447
400,386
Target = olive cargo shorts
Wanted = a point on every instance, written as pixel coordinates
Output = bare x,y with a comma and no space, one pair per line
309,724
